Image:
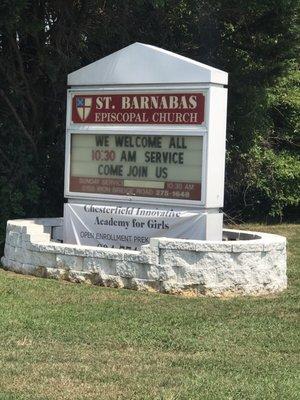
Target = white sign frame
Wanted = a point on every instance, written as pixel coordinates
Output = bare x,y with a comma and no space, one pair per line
144,69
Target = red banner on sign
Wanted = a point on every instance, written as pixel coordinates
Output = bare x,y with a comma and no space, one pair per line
171,190
177,108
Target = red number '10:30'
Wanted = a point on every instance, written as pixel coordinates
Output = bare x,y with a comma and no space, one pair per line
103,155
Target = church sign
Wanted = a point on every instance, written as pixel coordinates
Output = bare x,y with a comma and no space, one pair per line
163,166
142,108
145,149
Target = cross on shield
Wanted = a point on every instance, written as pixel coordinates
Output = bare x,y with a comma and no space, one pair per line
83,106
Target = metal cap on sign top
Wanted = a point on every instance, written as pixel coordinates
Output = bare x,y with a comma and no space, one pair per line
141,63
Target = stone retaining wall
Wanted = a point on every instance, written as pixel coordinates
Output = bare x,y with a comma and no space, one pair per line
252,266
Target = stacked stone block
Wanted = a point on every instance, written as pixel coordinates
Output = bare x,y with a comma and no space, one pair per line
255,265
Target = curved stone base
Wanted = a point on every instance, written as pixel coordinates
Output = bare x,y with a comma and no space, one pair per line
245,263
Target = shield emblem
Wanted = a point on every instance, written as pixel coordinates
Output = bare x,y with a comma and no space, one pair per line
83,106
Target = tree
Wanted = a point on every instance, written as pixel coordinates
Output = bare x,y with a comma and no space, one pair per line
255,41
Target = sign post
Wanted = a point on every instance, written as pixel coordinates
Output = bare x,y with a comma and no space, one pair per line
145,149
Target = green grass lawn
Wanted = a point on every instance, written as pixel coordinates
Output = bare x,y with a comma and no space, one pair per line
68,341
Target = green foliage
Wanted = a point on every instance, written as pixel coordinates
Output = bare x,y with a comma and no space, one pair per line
266,171
271,181
255,41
